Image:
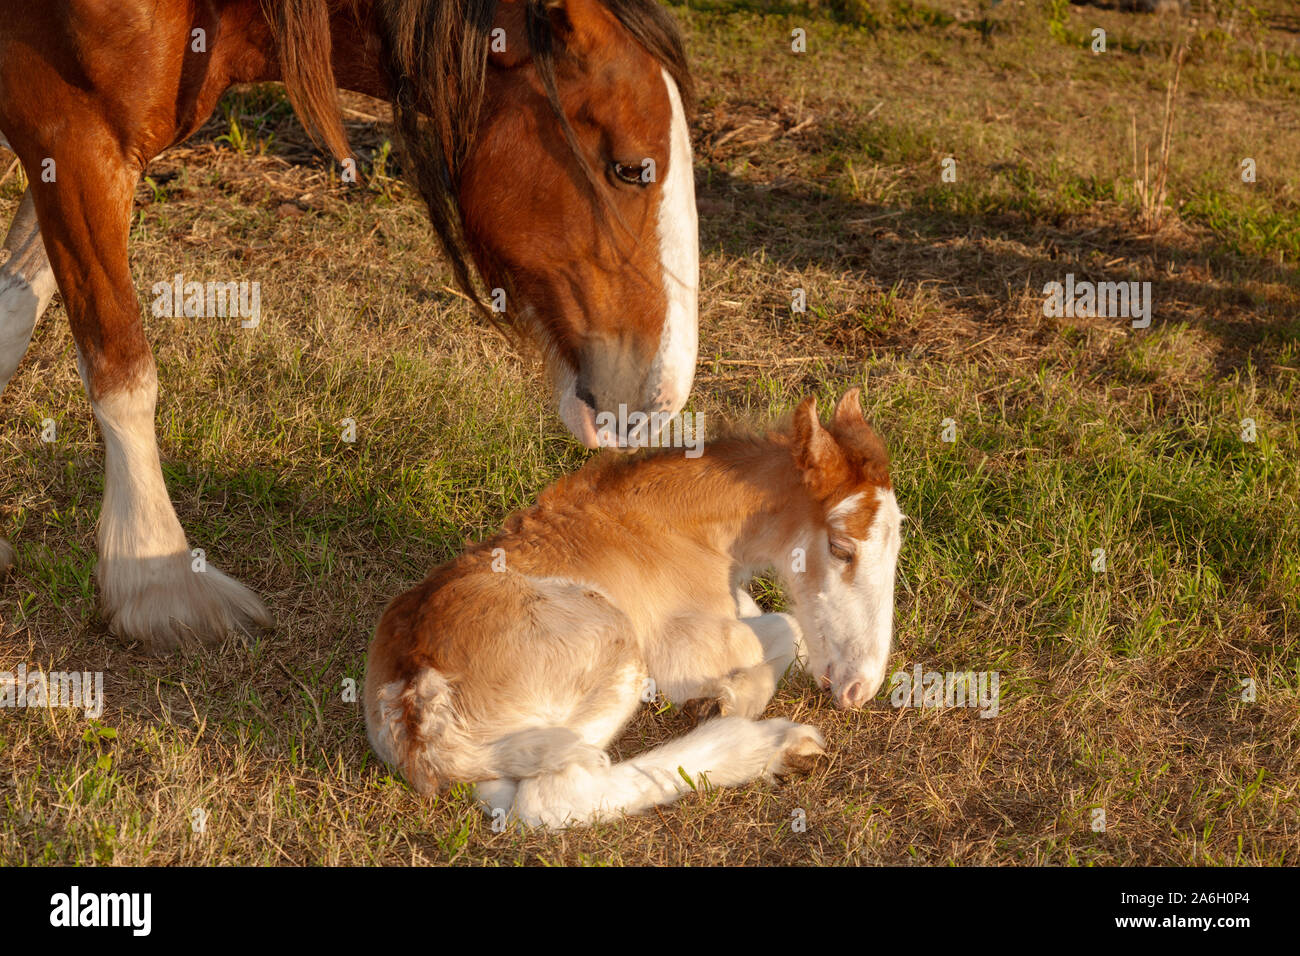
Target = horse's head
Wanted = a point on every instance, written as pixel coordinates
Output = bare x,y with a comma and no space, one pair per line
844,600
575,197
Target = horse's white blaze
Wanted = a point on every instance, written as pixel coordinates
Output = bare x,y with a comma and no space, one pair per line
854,621
679,251
672,371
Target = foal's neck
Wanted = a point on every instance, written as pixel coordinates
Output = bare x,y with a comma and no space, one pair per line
744,497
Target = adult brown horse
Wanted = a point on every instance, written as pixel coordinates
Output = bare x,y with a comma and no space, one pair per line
547,137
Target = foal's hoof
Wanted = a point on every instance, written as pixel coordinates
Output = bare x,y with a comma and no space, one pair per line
6,556
699,709
165,604
801,751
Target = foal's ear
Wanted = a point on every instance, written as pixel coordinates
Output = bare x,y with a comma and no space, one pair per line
848,413
858,439
815,449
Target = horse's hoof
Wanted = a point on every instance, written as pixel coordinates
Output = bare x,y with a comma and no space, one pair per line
166,605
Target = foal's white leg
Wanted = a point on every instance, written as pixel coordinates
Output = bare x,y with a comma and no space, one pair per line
781,638
746,606
149,587
748,690
496,796
588,731
722,665
726,752
690,656
26,285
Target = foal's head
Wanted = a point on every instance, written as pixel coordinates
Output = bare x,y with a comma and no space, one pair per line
845,598
573,193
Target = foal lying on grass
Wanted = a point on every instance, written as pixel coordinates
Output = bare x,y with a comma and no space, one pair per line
515,665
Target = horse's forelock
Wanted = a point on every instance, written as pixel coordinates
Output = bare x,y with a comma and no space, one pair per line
436,53
655,29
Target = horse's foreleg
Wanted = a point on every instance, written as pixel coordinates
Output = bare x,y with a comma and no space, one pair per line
26,285
150,590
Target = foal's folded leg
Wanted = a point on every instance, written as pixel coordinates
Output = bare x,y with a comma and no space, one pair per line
691,656
748,690
496,795
723,665
533,752
746,606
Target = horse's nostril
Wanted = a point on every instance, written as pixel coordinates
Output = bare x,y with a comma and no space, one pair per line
583,393
855,694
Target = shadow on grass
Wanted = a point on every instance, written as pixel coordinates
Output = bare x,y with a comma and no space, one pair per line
969,260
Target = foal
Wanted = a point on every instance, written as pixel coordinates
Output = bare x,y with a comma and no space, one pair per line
515,665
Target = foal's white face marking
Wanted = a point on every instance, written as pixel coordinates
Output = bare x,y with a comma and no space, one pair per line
849,624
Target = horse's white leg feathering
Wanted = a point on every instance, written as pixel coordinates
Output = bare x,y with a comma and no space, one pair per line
150,584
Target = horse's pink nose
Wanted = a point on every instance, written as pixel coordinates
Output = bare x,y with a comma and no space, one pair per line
853,696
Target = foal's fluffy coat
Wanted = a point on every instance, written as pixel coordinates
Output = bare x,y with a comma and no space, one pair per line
515,665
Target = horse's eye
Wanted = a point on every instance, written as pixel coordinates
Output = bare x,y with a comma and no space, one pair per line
841,552
629,173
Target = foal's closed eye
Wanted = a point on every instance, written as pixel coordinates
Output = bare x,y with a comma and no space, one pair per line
842,551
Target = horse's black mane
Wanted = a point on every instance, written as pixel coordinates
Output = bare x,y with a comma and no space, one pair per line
436,55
